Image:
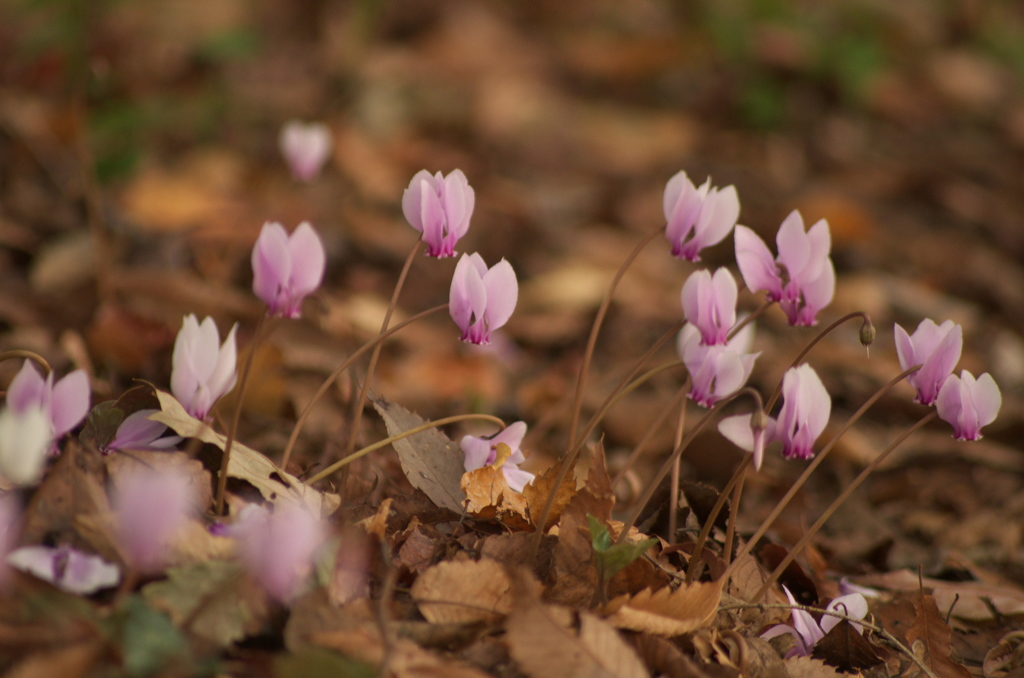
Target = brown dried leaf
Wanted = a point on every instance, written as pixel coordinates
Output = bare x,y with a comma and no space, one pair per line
488,496
969,596
805,667
848,650
463,591
431,462
666,612
930,639
246,463
1005,657
377,523
405,658
545,643
536,494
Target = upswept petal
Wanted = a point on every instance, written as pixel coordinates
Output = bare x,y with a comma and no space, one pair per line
502,294
817,294
987,399
477,451
937,365
853,605
25,438
460,295
804,413
270,262
516,478
709,303
308,260
432,217
819,242
757,266
512,435
412,200
70,402
794,248
682,204
223,377
718,216
27,389
459,201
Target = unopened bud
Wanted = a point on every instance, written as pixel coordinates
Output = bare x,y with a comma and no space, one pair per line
758,421
867,333
759,426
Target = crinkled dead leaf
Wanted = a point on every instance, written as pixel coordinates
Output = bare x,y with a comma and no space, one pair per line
546,642
377,523
805,667
537,492
210,599
930,639
405,658
968,599
488,496
431,462
1005,657
463,591
847,649
666,612
246,463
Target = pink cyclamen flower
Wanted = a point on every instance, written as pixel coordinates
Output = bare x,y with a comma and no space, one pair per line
66,402
936,348
803,416
25,439
709,304
150,506
809,280
137,432
287,268
481,300
697,217
277,548
716,371
440,208
203,369
968,403
305,148
66,568
807,631
481,451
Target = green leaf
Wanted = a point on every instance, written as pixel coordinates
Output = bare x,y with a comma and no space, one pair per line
600,535
611,559
149,641
211,597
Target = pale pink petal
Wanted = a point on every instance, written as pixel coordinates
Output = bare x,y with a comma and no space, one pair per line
412,200
502,294
70,402
27,389
308,261
271,265
757,266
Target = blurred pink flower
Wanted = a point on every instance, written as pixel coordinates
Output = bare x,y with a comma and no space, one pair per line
287,268
807,631
809,282
66,402
716,371
137,432
440,208
709,304
968,403
936,348
25,439
277,548
305,148
203,369
481,300
697,217
481,451
66,568
150,506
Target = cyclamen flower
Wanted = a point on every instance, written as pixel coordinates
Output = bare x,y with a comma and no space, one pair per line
709,304
203,369
149,507
66,568
716,371
277,548
968,403
936,348
803,416
137,432
287,268
481,451
482,300
440,208
807,631
25,439
305,148
697,217
810,279
66,403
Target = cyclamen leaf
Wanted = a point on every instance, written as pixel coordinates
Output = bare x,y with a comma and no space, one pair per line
431,461
611,559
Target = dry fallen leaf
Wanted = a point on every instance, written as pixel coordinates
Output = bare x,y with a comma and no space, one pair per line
666,612
537,492
431,462
489,496
805,667
246,463
545,643
967,599
463,591
930,639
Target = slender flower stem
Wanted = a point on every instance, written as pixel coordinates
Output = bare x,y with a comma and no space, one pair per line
338,372
357,413
807,349
574,449
588,354
730,532
404,434
28,355
243,380
709,523
667,466
673,496
843,496
635,454
779,507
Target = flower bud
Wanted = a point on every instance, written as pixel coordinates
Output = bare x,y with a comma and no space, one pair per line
867,333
